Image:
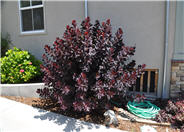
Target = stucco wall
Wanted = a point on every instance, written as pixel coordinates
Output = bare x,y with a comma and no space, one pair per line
57,16
143,24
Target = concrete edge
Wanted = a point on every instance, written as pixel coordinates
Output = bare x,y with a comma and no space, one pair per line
23,90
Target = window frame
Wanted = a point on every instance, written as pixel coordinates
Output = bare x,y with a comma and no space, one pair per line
42,31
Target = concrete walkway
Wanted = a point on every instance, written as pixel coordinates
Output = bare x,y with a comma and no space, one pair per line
15,116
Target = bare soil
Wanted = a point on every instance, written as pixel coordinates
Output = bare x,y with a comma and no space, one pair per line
95,117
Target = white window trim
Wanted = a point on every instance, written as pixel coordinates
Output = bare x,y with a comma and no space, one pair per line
20,19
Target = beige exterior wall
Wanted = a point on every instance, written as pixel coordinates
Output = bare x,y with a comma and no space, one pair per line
57,16
143,24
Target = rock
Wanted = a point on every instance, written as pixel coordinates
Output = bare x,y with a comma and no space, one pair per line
182,68
147,128
182,78
110,118
175,68
179,73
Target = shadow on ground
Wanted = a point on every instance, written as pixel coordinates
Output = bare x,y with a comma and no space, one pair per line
69,124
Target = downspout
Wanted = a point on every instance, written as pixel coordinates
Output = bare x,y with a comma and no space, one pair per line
86,8
164,92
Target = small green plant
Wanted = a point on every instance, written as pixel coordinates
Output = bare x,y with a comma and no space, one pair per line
5,43
19,66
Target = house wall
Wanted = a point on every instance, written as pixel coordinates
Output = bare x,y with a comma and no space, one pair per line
143,24
171,43
57,16
177,78
177,72
179,35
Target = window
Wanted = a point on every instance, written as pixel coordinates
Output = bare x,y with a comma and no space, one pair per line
31,16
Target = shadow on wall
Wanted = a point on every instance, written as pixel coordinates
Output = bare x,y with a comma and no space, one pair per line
71,123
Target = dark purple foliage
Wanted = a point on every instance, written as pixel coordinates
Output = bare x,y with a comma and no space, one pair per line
140,98
173,113
88,67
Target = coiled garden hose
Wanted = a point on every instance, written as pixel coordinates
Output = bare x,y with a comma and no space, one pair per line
144,109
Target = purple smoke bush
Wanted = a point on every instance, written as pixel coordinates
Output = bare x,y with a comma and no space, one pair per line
88,67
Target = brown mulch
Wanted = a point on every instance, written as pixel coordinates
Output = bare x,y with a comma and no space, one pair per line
95,117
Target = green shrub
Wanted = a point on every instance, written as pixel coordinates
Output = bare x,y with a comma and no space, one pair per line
5,43
19,66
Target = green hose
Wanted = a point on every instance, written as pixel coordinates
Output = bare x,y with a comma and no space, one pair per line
144,109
